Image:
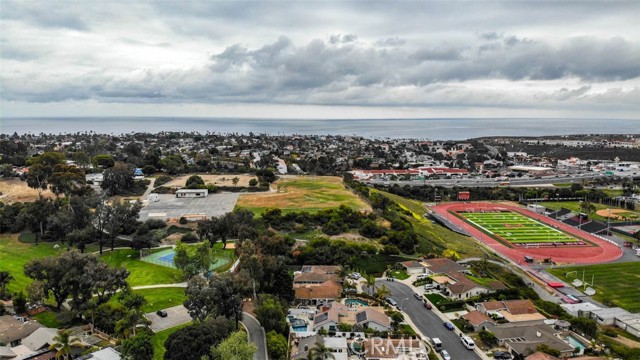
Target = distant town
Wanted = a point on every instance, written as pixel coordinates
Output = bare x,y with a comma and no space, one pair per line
250,246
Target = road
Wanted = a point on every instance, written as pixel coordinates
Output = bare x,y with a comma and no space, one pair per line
482,182
256,336
427,321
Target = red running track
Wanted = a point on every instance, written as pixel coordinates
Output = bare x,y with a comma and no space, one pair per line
602,252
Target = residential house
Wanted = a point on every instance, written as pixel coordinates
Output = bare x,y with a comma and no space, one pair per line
512,310
337,345
478,320
524,338
442,266
316,274
107,353
462,288
330,317
373,319
14,329
323,293
40,339
583,309
411,267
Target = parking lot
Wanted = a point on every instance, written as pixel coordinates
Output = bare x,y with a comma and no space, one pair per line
176,315
171,207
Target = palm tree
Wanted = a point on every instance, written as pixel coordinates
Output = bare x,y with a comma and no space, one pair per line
371,283
383,292
64,343
320,352
5,278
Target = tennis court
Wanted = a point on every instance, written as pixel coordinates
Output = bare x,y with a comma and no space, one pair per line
165,258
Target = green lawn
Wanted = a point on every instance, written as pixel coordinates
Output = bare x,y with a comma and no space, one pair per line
441,236
399,274
14,254
615,284
158,340
161,298
303,193
516,228
142,273
48,319
435,299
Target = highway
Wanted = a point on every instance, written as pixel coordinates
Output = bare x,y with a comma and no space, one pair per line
484,182
427,321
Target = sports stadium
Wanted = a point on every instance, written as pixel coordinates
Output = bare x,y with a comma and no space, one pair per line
517,233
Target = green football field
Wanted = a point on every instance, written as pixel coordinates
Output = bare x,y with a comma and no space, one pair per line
516,228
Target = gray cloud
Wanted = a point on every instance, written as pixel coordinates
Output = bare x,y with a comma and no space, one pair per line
352,53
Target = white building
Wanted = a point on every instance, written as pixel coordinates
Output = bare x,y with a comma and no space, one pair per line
192,193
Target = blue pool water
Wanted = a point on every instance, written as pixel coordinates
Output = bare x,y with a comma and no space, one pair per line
356,302
168,257
299,328
574,342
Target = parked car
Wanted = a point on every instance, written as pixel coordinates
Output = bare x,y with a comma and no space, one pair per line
429,287
392,302
501,355
161,313
445,355
449,325
427,305
417,296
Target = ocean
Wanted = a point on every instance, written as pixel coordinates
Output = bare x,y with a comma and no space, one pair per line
432,129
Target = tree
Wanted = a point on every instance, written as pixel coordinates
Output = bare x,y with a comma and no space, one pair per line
35,292
133,317
235,347
488,338
5,279
66,179
396,319
235,181
119,215
195,341
277,345
103,161
36,214
383,292
118,179
253,182
193,262
80,238
221,296
64,343
73,273
138,347
271,314
320,352
20,303
194,182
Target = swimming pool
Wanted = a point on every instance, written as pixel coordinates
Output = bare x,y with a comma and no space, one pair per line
575,343
299,328
356,302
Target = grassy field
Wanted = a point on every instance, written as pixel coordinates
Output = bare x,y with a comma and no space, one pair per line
443,237
218,180
308,193
615,284
15,190
14,254
516,228
159,298
142,273
574,206
158,340
48,319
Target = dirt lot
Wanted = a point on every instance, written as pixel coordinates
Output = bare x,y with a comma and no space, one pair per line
15,190
218,180
619,214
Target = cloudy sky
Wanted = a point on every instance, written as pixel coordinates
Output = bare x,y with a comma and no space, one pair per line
320,59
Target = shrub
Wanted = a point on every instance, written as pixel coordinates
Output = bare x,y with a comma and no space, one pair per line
155,224
189,238
183,220
162,179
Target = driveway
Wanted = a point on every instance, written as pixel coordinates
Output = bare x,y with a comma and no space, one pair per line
427,321
176,316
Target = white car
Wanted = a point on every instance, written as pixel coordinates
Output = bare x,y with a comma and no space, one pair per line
445,355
